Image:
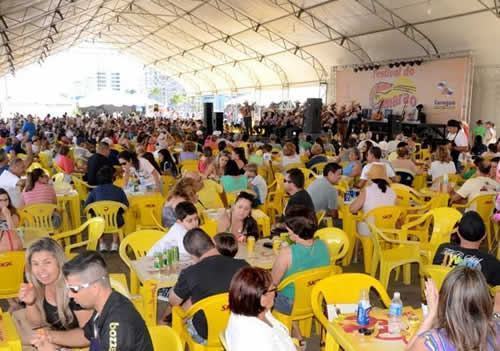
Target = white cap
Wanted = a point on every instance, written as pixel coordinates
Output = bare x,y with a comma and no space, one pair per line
108,141
199,132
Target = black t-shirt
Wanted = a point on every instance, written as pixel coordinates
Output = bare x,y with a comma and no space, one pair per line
119,326
452,255
211,276
94,164
300,198
53,318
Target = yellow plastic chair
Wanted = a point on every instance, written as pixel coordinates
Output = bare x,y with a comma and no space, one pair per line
484,205
327,292
167,182
148,209
210,227
401,253
336,240
293,165
382,217
38,217
436,272
95,229
318,168
165,338
275,203
108,210
118,283
45,159
406,196
137,243
82,188
12,273
216,312
188,166
303,282
437,200
309,176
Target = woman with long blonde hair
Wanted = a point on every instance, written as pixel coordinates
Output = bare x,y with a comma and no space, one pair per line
45,294
460,316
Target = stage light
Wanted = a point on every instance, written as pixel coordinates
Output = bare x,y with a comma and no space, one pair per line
403,63
355,70
419,62
397,64
377,66
412,63
391,65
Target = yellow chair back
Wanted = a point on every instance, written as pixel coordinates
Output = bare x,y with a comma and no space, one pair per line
38,216
384,217
45,160
444,221
167,182
81,187
108,210
303,282
318,168
148,210
188,166
95,228
406,196
336,240
138,244
309,176
165,338
294,165
12,273
216,310
58,178
484,206
436,272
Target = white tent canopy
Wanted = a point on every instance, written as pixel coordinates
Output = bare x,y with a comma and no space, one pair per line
214,46
115,99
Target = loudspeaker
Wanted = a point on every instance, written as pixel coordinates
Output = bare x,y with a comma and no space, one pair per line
208,111
394,126
312,115
218,121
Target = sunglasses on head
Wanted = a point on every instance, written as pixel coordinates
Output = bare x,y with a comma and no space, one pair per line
76,288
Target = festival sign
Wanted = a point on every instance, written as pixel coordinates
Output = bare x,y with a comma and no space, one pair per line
440,86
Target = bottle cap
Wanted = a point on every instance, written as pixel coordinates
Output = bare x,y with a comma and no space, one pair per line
397,294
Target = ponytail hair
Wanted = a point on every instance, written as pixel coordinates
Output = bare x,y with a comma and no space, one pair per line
381,183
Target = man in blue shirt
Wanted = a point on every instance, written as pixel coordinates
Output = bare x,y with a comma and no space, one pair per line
29,127
107,191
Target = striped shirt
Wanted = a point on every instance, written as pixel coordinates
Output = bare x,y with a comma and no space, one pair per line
40,194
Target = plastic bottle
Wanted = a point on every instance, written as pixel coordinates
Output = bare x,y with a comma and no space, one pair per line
445,182
395,313
363,315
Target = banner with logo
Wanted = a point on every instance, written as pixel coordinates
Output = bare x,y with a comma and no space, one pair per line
440,86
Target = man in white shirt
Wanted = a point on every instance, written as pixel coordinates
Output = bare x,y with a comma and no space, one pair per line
373,156
491,134
459,143
187,218
10,180
482,183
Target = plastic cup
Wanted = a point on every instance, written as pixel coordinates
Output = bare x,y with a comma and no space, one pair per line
250,244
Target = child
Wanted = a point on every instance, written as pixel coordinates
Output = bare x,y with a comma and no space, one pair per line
226,244
186,219
256,182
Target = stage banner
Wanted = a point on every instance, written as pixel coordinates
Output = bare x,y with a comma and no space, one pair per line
440,86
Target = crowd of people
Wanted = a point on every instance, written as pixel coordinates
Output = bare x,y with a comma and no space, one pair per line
74,298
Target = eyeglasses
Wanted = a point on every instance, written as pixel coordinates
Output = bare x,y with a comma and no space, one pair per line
4,200
272,290
76,288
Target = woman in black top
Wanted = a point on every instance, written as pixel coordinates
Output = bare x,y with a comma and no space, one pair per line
45,294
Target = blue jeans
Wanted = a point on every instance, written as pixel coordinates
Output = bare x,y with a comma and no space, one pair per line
194,333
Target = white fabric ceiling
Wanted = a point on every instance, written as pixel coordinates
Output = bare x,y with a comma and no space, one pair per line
227,45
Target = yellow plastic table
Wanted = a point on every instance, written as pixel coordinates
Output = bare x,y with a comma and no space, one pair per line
345,331
69,205
153,279
9,337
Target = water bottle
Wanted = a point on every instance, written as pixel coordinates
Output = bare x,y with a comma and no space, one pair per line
395,314
363,315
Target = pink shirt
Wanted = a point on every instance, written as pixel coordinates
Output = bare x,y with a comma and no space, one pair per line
66,164
40,194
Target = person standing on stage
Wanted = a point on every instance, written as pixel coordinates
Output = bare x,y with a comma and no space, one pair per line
246,113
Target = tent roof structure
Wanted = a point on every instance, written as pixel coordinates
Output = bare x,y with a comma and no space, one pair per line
214,46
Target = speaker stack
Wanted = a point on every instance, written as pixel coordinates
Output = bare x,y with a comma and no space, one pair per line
312,116
208,111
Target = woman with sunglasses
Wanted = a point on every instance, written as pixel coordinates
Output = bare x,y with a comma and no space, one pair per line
9,220
251,325
46,298
141,169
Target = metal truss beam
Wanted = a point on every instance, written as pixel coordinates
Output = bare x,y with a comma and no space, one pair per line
399,24
213,51
495,9
316,24
199,62
230,41
264,31
44,44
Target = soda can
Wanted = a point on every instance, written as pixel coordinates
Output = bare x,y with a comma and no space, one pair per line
171,255
166,258
177,258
